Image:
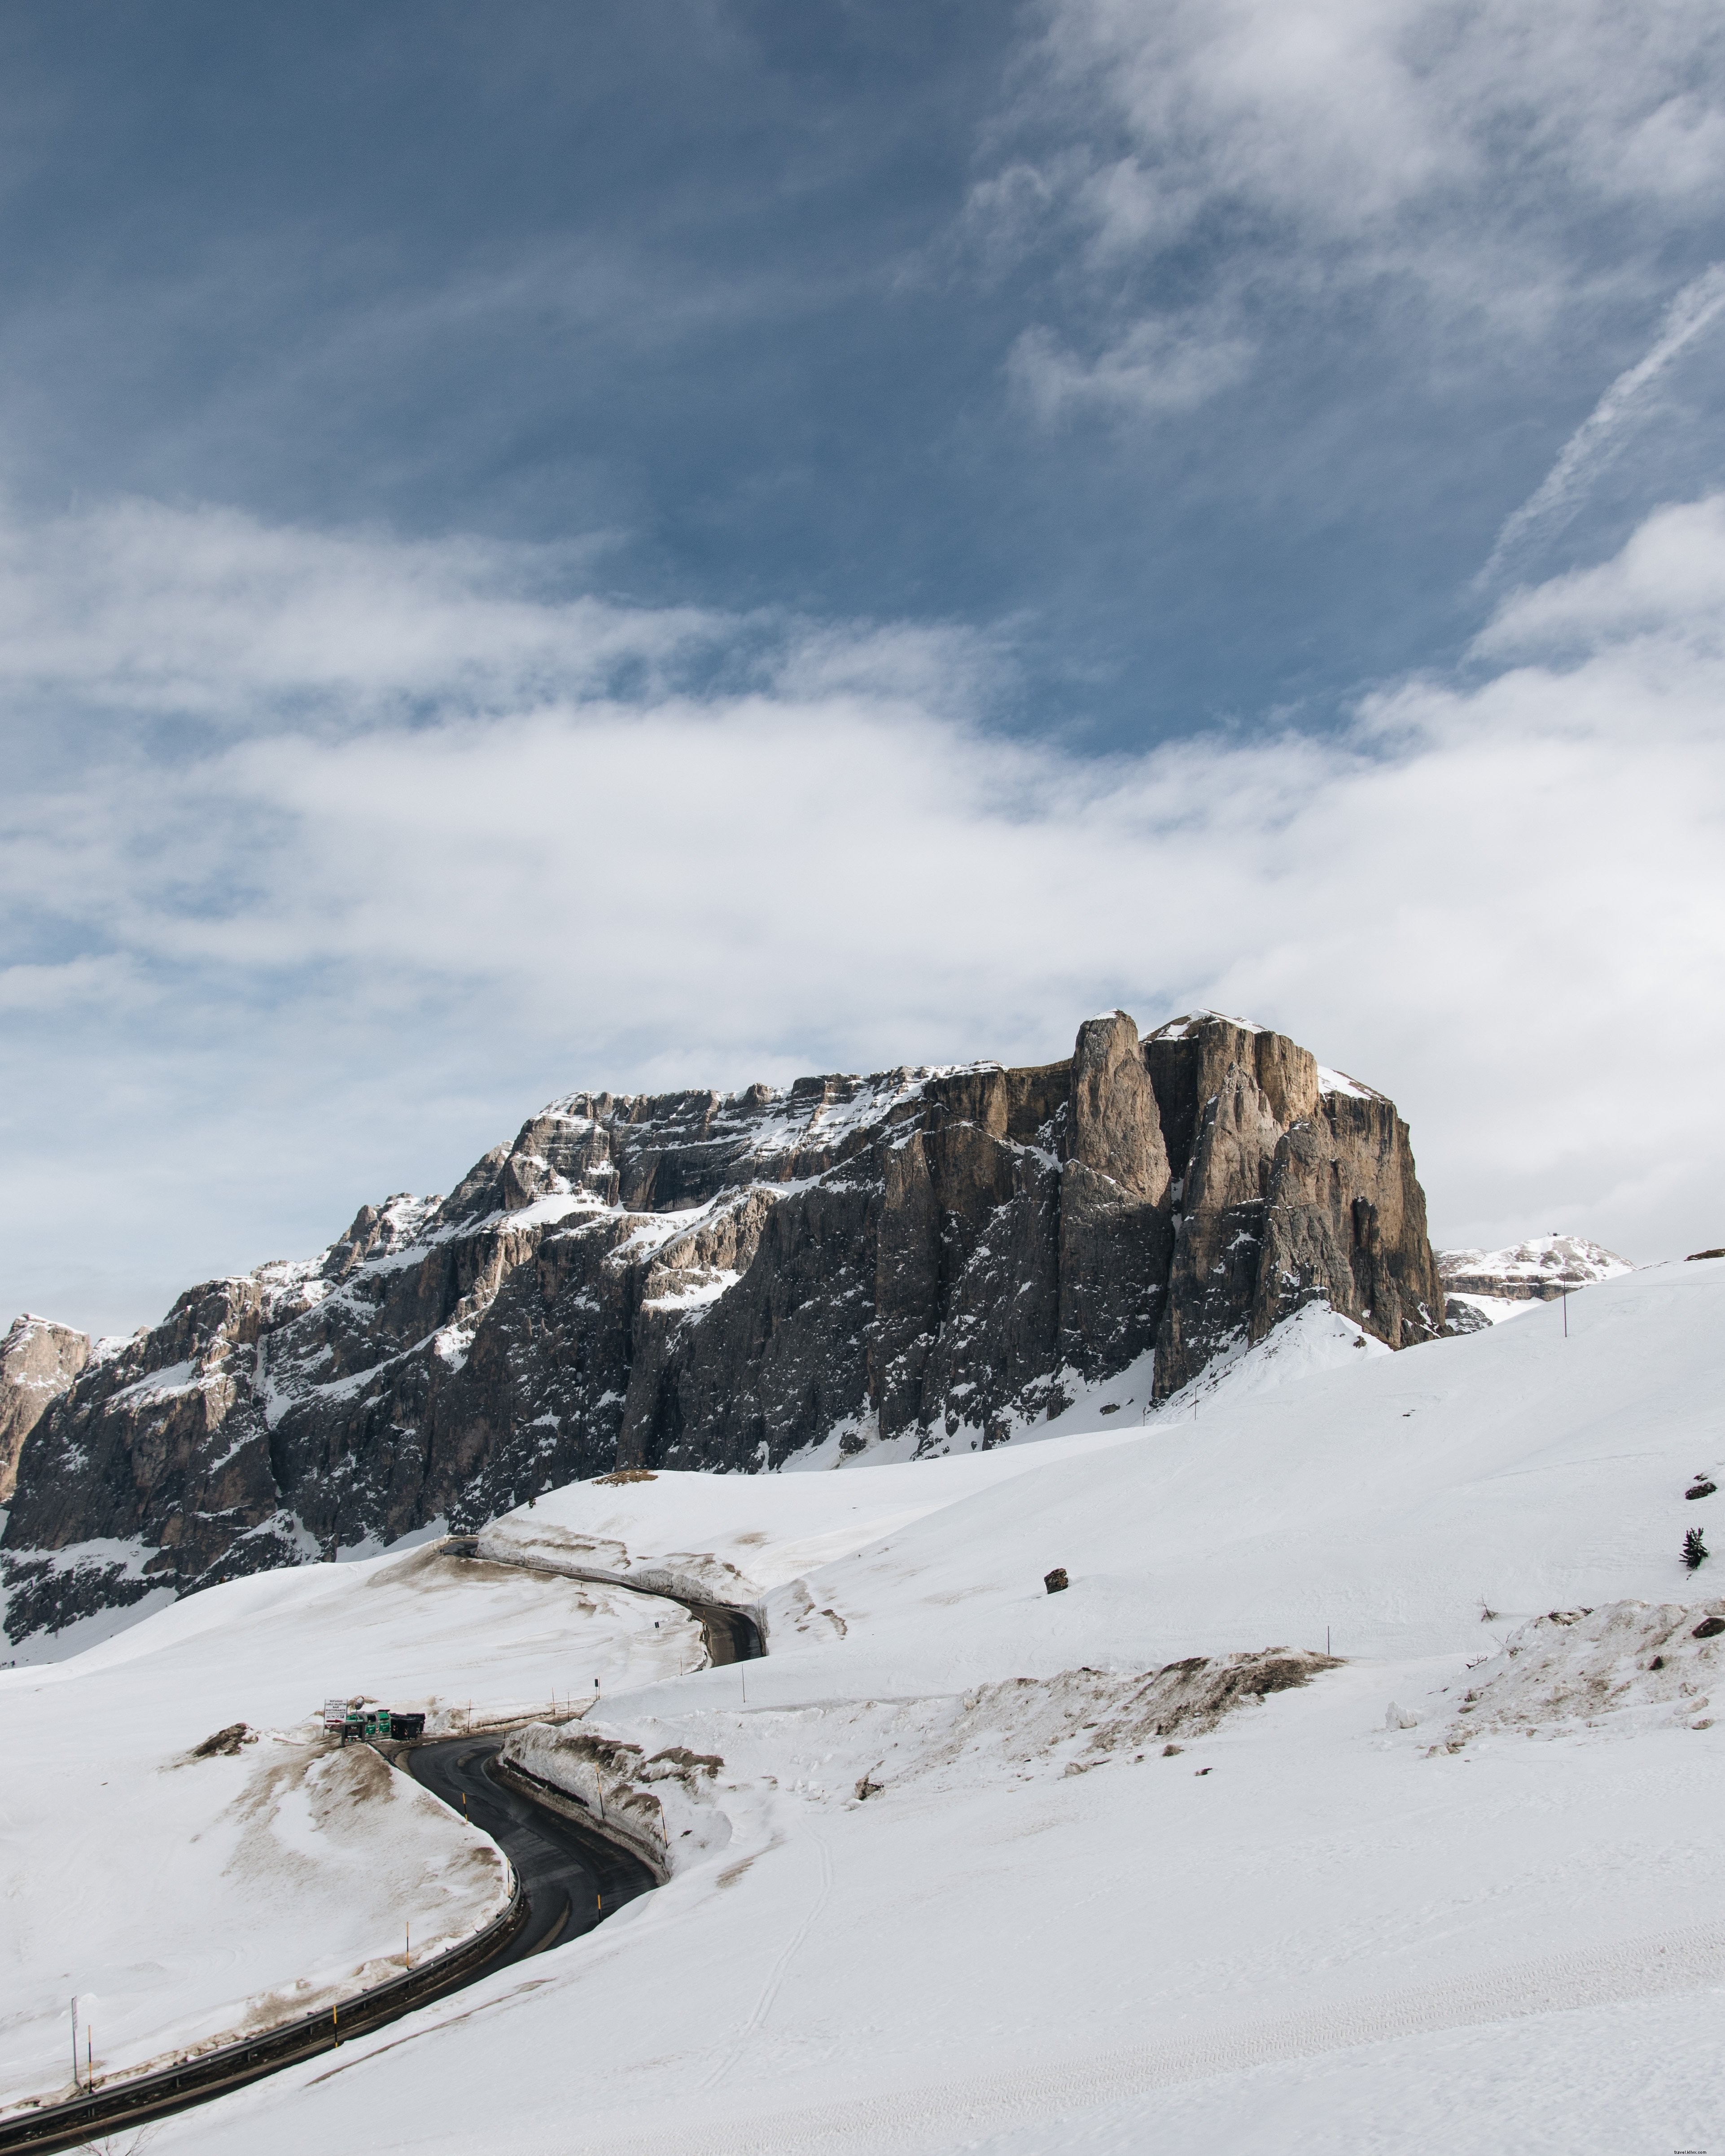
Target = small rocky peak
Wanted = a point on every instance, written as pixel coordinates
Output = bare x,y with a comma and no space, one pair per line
38,1360
206,1325
1114,1127
477,1193
375,1227
553,1154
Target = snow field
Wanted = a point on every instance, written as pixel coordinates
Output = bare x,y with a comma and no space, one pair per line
922,1930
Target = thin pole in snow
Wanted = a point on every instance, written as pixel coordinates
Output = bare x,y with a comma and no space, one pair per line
89,2056
75,2043
1326,1641
407,1958
1566,1313
743,1670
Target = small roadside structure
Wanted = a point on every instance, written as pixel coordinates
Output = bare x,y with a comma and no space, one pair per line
363,1718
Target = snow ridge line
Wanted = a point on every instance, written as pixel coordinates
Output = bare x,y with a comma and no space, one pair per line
927,2117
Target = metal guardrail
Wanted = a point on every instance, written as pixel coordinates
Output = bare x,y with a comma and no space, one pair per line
130,2102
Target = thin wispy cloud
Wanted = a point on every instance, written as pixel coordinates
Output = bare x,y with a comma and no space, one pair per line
1600,436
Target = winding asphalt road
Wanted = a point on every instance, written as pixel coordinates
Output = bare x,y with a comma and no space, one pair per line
570,1880
573,1881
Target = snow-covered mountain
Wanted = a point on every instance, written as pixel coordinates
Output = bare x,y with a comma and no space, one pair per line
1360,1792
920,1262
1486,1286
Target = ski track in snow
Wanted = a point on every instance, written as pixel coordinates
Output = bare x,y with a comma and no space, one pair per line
774,1983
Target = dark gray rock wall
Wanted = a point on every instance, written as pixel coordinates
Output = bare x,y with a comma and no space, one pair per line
719,1281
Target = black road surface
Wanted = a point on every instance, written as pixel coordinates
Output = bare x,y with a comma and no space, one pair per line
573,1881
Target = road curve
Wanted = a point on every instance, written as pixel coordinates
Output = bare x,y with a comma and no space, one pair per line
731,1634
572,1879
569,1879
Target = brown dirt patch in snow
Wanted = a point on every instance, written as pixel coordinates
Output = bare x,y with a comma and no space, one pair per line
1081,1719
1625,1666
224,1744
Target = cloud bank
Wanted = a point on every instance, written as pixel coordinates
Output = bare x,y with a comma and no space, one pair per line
286,964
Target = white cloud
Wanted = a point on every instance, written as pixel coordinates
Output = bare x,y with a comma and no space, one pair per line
146,607
1667,583
306,965
1481,162
1155,367
1340,114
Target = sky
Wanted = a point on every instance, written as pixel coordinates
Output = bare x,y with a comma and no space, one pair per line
578,547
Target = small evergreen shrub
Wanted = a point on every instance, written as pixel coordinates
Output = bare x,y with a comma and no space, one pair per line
1695,1549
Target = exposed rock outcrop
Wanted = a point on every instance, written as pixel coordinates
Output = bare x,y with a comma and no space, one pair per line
38,1360
1301,1187
930,1258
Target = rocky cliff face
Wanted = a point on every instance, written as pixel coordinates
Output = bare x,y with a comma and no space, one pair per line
929,1258
39,1359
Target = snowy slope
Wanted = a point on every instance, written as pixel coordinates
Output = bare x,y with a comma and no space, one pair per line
965,1895
189,1899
